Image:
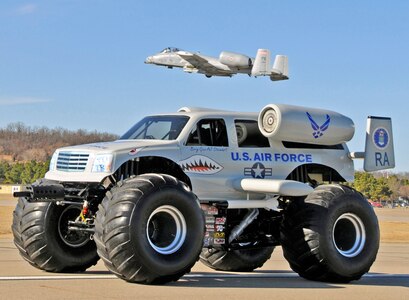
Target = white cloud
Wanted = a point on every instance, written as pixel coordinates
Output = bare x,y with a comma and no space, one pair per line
26,9
21,101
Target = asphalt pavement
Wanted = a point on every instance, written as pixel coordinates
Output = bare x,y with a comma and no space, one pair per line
388,279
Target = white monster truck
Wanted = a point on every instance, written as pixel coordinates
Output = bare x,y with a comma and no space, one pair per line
222,187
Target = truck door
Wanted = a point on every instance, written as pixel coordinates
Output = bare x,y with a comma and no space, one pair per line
252,156
204,155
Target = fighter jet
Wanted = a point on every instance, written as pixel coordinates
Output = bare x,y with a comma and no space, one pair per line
228,63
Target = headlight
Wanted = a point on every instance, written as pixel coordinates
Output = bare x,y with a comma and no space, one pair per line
102,163
53,161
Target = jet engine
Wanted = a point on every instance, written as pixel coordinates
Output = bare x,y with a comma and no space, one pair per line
247,132
237,60
305,125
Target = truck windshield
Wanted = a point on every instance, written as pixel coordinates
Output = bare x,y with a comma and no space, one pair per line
157,128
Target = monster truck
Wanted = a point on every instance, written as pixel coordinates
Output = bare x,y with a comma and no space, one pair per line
221,187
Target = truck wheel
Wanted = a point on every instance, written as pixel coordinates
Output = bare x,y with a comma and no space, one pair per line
42,237
149,229
332,235
243,260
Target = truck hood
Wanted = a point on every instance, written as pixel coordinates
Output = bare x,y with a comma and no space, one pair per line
75,163
116,146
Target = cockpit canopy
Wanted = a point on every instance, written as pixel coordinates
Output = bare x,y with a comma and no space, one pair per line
170,50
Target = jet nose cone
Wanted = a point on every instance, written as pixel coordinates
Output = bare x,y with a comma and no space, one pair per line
149,60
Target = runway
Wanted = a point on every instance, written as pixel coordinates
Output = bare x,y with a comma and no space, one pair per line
388,279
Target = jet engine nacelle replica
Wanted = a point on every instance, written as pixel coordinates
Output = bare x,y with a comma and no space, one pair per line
236,60
305,125
288,123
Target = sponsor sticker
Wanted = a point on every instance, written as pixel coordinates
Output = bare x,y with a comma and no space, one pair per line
209,227
210,220
219,228
219,241
221,220
219,235
209,209
207,241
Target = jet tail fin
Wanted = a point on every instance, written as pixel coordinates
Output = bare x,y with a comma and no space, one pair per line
379,153
280,68
261,66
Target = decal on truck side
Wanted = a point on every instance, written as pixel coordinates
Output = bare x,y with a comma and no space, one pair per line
200,164
318,130
275,157
258,170
381,138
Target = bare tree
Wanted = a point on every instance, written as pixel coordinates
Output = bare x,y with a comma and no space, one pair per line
25,143
404,191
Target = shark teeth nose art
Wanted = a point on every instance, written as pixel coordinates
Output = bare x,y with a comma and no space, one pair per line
200,164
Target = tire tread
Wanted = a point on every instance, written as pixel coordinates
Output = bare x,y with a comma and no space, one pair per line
300,234
114,213
29,231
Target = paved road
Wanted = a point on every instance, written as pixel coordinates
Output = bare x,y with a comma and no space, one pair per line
389,279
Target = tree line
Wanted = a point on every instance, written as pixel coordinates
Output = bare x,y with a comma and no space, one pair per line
22,172
25,151
21,143
381,185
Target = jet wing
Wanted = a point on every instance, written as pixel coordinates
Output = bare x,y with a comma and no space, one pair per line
201,63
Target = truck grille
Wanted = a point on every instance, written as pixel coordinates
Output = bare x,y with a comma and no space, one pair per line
72,162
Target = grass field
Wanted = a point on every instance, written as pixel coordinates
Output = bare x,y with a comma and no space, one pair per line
394,223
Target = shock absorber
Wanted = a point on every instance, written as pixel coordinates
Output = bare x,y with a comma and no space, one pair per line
247,220
84,221
84,211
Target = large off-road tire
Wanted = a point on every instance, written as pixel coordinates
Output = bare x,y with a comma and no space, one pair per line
332,235
149,229
41,235
243,260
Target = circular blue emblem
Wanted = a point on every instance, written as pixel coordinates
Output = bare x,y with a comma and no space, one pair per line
381,138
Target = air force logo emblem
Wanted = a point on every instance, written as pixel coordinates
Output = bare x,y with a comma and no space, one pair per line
381,138
318,130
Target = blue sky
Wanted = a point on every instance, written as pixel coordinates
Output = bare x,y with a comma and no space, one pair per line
79,64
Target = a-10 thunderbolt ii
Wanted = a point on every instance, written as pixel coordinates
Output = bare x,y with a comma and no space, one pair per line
227,64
